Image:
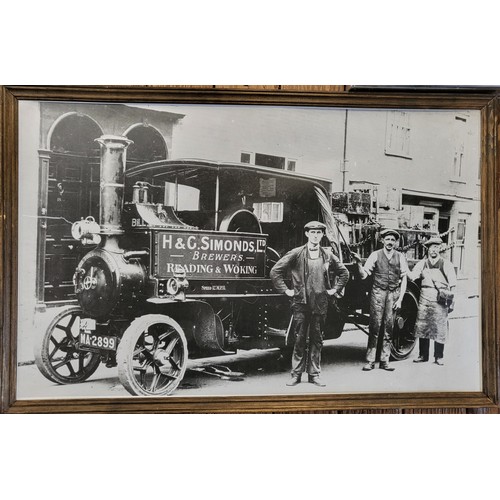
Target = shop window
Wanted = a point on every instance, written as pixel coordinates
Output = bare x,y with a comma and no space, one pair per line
148,145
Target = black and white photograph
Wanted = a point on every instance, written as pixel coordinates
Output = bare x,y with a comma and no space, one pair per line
188,250
216,256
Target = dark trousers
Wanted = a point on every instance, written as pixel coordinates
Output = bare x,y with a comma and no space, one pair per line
424,347
381,323
302,359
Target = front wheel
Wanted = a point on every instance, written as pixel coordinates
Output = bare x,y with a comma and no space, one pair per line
57,353
152,356
403,337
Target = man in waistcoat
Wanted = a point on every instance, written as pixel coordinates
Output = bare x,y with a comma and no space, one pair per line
309,266
388,268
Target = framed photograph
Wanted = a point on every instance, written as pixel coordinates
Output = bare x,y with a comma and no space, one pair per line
203,250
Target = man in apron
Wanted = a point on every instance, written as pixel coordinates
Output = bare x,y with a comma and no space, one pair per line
309,266
436,274
388,268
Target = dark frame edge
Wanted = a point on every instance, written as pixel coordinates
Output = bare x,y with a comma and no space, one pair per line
489,249
422,100
259,404
490,144
3,219
8,247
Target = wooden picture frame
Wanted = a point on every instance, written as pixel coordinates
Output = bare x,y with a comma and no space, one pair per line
485,101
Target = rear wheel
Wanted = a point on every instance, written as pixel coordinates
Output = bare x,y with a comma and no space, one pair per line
241,221
403,337
152,356
57,354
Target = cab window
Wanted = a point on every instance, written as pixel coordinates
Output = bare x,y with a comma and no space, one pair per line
182,197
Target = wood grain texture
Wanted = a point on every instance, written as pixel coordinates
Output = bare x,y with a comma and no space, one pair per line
412,100
8,248
443,411
298,95
489,246
316,88
247,87
3,256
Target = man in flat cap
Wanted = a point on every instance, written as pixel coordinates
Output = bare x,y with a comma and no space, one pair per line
309,266
437,274
389,269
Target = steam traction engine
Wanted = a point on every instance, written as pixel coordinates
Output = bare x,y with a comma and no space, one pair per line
178,265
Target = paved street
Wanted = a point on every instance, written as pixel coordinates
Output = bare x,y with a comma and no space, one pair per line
342,361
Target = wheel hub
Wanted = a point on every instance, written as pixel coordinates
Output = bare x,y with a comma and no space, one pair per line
400,322
161,357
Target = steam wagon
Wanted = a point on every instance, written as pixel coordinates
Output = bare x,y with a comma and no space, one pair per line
178,266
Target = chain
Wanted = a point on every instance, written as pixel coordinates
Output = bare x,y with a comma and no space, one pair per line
359,243
407,247
49,217
369,223
448,247
451,230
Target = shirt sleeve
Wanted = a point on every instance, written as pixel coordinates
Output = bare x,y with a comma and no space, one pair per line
370,263
280,269
403,263
341,274
416,272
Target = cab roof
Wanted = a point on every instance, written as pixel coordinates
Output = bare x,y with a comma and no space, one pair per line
162,168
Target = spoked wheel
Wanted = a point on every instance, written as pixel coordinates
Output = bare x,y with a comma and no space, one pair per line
152,356
56,352
403,339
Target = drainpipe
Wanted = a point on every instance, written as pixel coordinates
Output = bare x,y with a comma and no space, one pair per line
344,159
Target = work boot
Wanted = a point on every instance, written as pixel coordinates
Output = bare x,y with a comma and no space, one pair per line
421,359
386,366
295,380
314,379
368,367
439,361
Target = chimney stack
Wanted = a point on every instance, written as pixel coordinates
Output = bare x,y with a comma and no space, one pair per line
113,160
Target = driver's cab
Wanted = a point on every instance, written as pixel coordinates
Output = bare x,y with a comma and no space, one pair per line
229,197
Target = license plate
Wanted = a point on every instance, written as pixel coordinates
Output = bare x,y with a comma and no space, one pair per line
91,341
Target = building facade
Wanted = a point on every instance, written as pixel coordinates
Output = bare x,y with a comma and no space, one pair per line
61,156
420,168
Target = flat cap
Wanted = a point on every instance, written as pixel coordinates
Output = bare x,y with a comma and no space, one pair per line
435,240
314,224
387,232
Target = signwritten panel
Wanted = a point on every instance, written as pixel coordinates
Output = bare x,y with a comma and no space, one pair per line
210,255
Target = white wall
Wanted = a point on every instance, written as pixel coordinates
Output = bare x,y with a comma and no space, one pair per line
29,129
432,151
314,137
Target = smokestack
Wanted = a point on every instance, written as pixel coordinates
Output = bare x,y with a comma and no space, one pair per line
113,159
